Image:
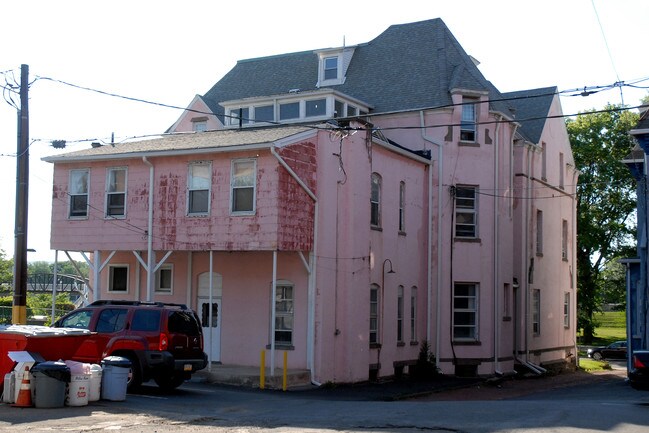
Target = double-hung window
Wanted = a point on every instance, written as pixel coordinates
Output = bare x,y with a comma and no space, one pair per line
116,192
468,126
284,314
243,185
199,185
465,312
330,68
78,192
402,207
566,310
413,314
400,314
118,278
466,212
164,279
536,312
539,232
374,314
375,201
564,239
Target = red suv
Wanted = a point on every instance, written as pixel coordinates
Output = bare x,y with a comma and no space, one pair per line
164,342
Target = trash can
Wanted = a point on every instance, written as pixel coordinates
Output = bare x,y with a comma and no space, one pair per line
78,389
114,379
95,382
50,380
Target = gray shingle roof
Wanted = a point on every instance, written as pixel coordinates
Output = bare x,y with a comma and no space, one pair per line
531,104
199,142
408,66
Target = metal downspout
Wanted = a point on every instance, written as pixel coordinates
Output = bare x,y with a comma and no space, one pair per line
438,319
496,263
150,262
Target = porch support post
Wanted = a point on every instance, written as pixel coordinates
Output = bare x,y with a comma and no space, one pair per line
210,312
273,314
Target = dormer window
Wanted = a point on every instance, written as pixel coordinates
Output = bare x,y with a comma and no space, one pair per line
333,64
330,65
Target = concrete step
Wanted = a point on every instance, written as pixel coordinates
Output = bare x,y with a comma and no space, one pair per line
249,376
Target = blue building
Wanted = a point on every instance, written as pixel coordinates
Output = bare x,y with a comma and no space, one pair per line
637,280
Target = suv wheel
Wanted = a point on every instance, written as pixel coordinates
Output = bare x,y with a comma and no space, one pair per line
134,375
169,382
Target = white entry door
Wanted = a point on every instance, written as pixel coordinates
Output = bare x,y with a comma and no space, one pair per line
211,332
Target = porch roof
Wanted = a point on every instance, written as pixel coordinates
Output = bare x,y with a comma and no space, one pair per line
190,143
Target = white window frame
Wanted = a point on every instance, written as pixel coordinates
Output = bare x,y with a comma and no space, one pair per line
339,79
73,192
561,171
246,119
536,312
193,187
467,305
110,192
375,318
469,123
111,278
200,126
158,280
375,200
234,187
282,314
400,307
413,314
466,206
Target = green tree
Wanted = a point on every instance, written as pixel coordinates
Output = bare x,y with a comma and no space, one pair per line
6,272
605,201
613,283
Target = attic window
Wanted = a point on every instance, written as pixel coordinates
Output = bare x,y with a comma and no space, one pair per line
330,65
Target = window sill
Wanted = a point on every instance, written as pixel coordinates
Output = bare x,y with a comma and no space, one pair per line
400,344
414,343
375,345
539,254
467,343
377,228
281,347
507,319
402,233
565,259
468,143
468,240
242,213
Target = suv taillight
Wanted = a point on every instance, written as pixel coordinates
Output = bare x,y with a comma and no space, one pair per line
164,342
637,363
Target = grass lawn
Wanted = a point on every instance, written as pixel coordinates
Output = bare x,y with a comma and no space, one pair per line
612,327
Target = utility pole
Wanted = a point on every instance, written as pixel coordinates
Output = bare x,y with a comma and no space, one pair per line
19,311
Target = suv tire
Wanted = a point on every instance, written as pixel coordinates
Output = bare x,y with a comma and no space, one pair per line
134,376
169,383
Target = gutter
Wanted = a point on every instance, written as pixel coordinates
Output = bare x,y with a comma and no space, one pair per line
429,300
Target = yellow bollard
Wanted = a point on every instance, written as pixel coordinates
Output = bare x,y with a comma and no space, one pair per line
262,370
285,371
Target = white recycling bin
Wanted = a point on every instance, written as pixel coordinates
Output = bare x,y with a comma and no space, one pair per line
95,382
78,390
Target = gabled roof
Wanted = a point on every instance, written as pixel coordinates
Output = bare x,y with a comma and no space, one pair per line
531,104
189,143
408,66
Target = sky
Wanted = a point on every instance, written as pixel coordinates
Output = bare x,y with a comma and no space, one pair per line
169,51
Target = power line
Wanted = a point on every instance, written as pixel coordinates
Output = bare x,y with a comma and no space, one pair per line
608,49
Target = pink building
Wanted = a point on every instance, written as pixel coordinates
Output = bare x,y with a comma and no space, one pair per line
345,205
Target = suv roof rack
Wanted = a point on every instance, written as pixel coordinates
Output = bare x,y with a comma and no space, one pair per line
125,302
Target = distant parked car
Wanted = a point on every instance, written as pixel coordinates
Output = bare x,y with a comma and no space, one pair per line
615,350
639,374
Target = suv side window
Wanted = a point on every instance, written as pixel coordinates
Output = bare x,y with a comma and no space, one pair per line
80,319
182,322
111,320
146,320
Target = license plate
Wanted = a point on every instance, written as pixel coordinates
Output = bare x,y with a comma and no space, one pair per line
188,367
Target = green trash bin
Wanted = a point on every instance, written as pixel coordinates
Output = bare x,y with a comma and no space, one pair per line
50,381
